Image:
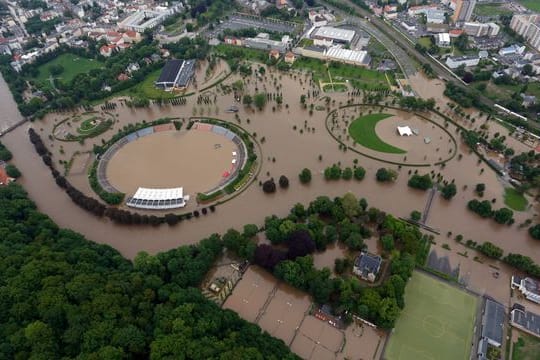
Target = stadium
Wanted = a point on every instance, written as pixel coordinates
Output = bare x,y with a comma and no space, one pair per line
161,167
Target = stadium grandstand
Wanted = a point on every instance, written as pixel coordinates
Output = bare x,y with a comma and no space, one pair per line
157,199
176,75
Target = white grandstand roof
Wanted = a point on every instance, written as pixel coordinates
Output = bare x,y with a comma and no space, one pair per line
404,130
358,56
159,194
335,33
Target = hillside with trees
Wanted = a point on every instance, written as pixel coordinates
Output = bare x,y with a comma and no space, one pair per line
65,297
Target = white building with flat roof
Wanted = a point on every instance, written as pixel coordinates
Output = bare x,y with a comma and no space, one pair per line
453,62
354,57
333,35
443,39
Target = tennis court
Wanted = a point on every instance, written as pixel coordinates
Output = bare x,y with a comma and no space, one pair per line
437,322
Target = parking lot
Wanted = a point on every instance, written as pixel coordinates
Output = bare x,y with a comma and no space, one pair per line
244,21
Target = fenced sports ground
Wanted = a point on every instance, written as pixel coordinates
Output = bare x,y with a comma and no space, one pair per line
437,322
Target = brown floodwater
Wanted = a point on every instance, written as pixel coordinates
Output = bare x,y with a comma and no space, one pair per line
286,151
9,115
195,160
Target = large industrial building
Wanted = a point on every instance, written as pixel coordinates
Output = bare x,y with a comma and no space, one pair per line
176,75
527,26
327,36
353,57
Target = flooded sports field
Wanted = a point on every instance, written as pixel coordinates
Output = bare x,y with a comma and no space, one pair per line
195,160
284,312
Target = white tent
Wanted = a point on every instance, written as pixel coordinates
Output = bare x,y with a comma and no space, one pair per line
404,131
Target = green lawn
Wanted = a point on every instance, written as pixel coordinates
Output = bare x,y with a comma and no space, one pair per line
425,41
526,348
534,5
490,10
359,77
73,65
437,322
362,130
515,200
146,89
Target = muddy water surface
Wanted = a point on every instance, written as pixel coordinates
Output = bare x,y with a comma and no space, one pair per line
286,151
195,160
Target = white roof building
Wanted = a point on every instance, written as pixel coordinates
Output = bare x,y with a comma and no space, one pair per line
443,39
157,199
355,57
404,131
338,35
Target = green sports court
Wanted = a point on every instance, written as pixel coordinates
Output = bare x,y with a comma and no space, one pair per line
437,322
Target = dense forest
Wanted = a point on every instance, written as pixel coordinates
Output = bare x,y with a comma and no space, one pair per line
64,297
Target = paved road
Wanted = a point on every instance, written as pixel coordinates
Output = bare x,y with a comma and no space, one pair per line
407,48
406,63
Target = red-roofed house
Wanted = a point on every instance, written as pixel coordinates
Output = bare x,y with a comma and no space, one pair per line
4,178
274,54
455,33
123,77
232,41
289,57
106,50
131,36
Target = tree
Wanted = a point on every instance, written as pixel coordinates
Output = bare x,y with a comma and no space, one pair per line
269,186
268,257
259,100
359,173
527,70
283,182
416,215
480,188
250,230
387,242
481,208
12,171
247,100
300,243
384,175
350,205
534,231
462,42
305,176
347,174
503,216
422,182
490,250
449,191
